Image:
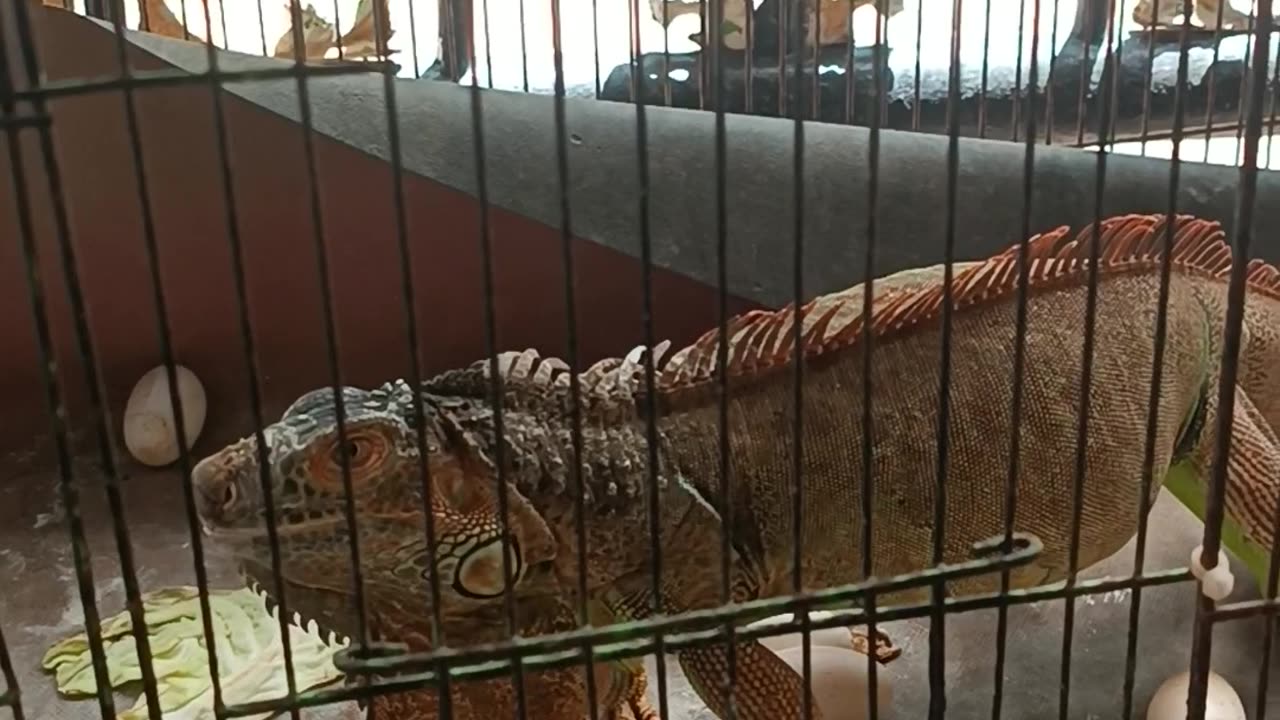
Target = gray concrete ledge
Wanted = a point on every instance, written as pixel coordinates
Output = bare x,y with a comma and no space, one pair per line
519,136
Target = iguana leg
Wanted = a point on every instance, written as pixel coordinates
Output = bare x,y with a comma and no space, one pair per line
1253,488
765,687
1252,492
634,684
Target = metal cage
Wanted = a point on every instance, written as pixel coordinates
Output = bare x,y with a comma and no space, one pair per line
921,137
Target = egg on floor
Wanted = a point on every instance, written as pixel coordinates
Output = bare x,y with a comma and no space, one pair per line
150,432
1170,700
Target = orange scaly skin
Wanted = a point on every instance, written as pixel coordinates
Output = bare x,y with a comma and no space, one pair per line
537,449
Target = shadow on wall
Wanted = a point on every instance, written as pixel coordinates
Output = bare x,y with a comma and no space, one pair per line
274,222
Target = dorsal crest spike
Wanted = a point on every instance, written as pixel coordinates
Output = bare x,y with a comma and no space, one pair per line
759,341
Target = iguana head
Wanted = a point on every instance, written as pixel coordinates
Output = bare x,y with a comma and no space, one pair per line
304,465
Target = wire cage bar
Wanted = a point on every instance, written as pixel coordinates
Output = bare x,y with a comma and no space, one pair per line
789,84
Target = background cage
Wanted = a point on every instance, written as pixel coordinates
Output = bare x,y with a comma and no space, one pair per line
72,145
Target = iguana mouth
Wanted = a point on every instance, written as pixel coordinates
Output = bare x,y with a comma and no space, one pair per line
304,620
288,528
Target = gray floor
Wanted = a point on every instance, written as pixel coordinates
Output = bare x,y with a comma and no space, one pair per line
39,605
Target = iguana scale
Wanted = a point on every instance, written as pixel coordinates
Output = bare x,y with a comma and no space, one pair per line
906,327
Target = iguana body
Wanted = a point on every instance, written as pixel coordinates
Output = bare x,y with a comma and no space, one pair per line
906,327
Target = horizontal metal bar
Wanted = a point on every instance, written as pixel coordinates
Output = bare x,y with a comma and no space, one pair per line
1245,609
142,79
1029,547
24,121
456,670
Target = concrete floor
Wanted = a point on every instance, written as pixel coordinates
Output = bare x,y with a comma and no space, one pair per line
39,605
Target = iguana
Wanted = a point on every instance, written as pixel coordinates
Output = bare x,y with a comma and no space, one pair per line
316,556
906,326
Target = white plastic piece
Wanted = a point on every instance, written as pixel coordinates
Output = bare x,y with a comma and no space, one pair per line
1170,700
1216,584
150,433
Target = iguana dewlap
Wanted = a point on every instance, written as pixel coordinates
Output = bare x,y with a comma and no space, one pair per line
537,454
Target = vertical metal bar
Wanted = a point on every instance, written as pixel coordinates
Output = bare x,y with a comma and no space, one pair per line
413,37
337,31
709,39
1203,639
84,344
722,353
255,395
1086,378
784,19
330,331
524,51
1275,95
1017,73
488,45
449,43
815,102
222,20
1244,88
666,50
595,42
491,350
937,616
1115,69
186,30
850,69
797,361
1269,635
649,370
17,40
748,60
1157,370
1085,14
868,416
167,356
915,92
262,26
986,65
1019,361
1148,94
12,694
444,695
571,321
633,57
1050,78
651,422
1213,79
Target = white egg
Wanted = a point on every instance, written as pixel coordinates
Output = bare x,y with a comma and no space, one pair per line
839,681
829,637
1170,700
150,432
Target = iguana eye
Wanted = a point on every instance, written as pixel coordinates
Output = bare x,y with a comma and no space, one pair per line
353,452
366,449
478,574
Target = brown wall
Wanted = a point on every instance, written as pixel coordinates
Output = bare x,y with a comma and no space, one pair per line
272,198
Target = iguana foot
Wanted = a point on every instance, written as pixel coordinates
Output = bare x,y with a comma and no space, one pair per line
883,648
638,700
